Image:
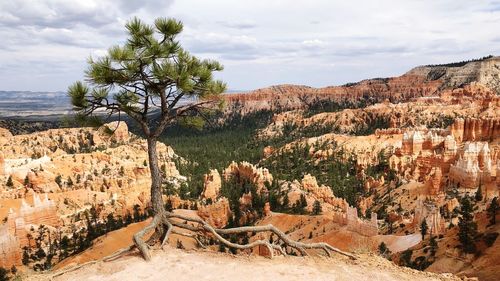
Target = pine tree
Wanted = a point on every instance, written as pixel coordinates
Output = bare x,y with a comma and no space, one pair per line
423,228
149,73
479,194
110,222
405,258
69,182
434,246
26,181
317,208
466,225
58,180
303,202
4,274
9,183
222,248
493,210
122,171
384,251
286,202
168,205
26,256
137,215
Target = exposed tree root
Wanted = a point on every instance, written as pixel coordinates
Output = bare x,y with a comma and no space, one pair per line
139,242
169,221
193,236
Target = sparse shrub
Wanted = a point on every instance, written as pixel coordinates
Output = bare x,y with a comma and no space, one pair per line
490,238
58,180
10,183
384,251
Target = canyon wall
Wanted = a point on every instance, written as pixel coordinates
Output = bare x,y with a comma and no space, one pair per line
13,233
423,81
353,223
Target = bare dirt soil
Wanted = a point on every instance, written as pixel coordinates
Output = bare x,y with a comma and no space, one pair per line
178,265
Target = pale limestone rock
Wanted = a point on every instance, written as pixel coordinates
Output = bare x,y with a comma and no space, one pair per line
217,213
211,185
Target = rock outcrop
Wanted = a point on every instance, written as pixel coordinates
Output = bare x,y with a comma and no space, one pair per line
423,81
13,233
245,170
309,188
2,164
217,213
473,167
211,185
9,248
474,129
350,219
115,132
78,168
434,181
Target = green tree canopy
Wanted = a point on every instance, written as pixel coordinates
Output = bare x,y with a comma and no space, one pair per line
423,228
479,194
493,210
467,227
317,208
150,73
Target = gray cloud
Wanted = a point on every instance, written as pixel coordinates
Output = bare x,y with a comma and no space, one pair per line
238,25
261,42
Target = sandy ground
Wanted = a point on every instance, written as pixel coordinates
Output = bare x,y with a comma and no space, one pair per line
179,265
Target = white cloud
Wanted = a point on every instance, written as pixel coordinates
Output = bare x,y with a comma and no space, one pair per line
261,42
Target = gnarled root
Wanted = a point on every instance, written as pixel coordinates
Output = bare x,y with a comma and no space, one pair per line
164,226
138,237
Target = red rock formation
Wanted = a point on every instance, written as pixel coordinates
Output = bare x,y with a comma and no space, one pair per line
114,132
473,167
211,185
10,250
498,175
13,232
473,129
4,133
312,191
401,88
364,204
2,164
267,151
350,219
430,212
267,209
216,214
245,170
434,181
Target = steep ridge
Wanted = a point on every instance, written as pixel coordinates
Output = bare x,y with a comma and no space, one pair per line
421,81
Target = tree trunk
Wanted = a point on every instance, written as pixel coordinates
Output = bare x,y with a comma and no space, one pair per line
156,180
159,213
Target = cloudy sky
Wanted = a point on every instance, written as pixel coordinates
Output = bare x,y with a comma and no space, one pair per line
45,43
